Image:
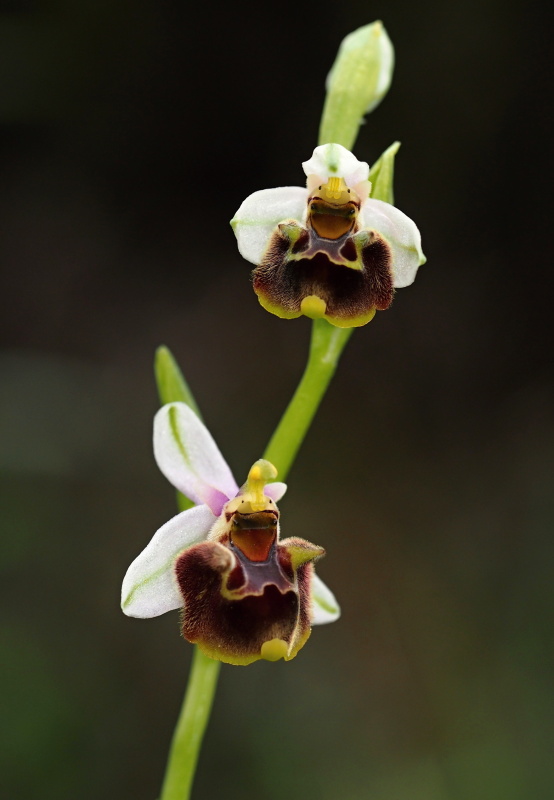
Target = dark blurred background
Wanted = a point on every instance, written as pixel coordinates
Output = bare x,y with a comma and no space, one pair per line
130,132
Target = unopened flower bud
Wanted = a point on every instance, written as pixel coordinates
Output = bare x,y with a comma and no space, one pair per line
357,82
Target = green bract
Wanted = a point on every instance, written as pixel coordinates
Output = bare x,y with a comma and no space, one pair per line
381,175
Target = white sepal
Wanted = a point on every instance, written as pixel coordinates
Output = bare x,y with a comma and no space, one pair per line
150,587
401,233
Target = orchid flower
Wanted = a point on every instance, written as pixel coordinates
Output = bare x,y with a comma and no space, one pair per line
245,594
327,250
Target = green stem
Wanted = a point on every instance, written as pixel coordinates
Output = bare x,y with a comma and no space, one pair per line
194,716
326,346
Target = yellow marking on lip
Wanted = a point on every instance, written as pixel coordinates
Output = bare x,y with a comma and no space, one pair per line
352,322
313,306
274,308
274,649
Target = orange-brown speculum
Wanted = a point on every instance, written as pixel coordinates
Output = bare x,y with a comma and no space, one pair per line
330,220
254,534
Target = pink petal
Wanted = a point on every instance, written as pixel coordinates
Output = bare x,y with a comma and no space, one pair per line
275,490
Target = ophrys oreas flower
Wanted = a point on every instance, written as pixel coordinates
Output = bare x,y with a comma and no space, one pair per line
328,250
245,593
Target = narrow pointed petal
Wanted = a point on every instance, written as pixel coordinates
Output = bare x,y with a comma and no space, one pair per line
402,235
325,607
275,490
150,587
329,160
190,459
260,214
